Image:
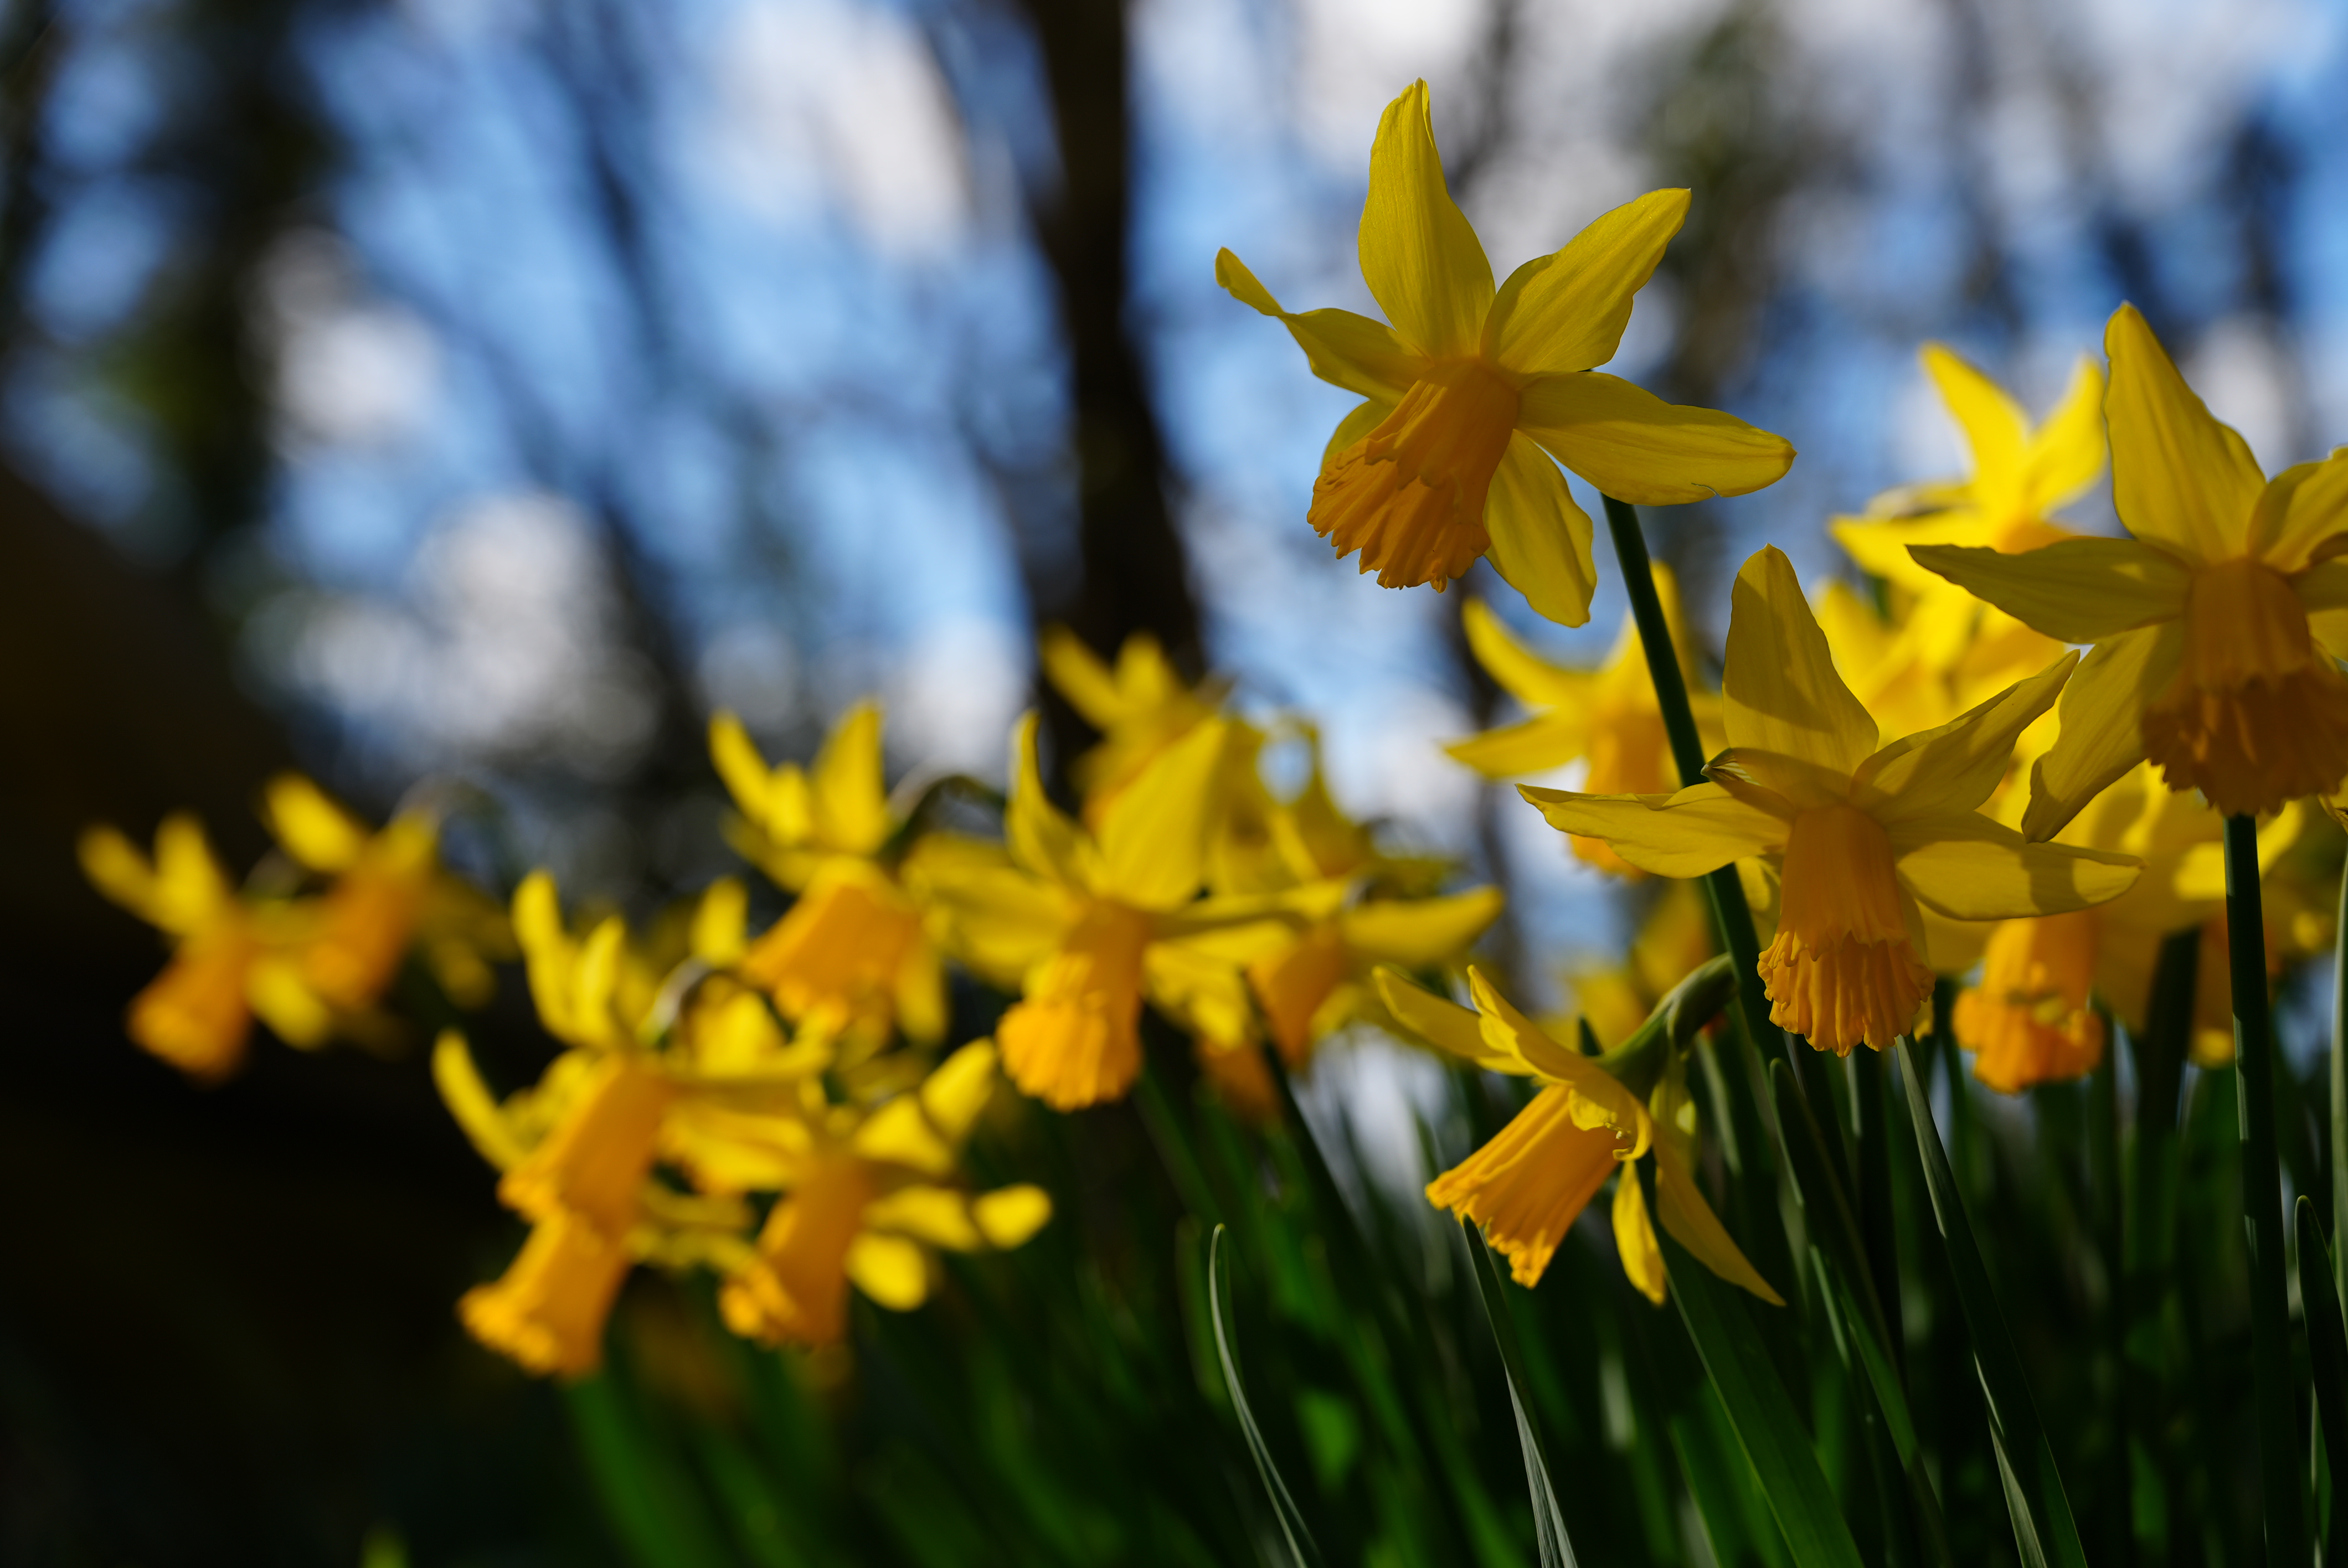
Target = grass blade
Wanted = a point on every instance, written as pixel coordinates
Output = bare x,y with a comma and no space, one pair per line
2044,1528
2327,1338
1549,1524
1301,1549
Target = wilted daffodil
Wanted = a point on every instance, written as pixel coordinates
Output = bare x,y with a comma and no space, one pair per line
1086,923
2216,627
1140,706
1472,390
853,947
1608,714
1592,1117
867,1196
1859,832
231,959
389,893
2021,476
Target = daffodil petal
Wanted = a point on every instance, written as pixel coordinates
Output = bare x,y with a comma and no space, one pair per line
1567,311
1345,349
850,800
2303,514
313,830
1700,829
1007,1216
1880,545
1601,1101
1423,263
1444,1023
1520,671
2179,478
1153,837
2069,449
1540,536
2102,720
1354,427
1420,933
1994,425
1041,838
2074,590
1080,675
1968,867
2324,586
1636,448
1955,766
1634,1238
1693,1225
1537,745
890,1269
1783,694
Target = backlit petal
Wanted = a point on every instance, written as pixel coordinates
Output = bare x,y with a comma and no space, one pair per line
1778,679
1600,1100
1994,425
1970,868
1634,1239
1567,311
1691,1224
1444,1023
1955,766
1041,837
2074,590
1080,675
852,804
1347,350
2102,720
1537,745
1636,448
1423,263
2303,514
890,1269
1702,829
1539,536
1354,427
2179,478
1153,837
1420,933
2068,451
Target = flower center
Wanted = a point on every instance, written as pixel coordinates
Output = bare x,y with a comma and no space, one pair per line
1410,495
2257,714
2029,1017
1842,971
1075,1039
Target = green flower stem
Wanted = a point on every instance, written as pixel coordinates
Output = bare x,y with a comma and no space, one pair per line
2279,1451
1730,913
2340,1103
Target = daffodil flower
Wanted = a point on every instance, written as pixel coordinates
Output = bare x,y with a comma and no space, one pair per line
231,959
1858,832
1472,390
1140,705
1532,1182
1086,923
389,894
1608,714
868,1202
853,947
2021,476
2217,625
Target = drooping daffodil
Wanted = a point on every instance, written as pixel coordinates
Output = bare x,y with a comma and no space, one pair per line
1472,391
1595,1116
2217,625
1859,832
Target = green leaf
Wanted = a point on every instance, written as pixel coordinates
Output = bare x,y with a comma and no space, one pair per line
2044,1528
1301,1549
658,1511
2327,1337
1549,1524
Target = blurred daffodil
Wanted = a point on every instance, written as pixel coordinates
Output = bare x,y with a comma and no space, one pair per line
1608,716
2021,476
1858,832
1140,705
1472,390
853,947
231,959
1592,1118
1084,924
2217,626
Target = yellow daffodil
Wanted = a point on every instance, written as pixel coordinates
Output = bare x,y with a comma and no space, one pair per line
1859,833
866,1202
231,959
854,946
1608,714
1473,390
1084,924
1530,1183
1140,706
2217,625
389,894
2021,476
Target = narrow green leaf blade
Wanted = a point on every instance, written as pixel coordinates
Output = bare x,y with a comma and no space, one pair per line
2043,1522
1549,1524
2327,1338
1301,1548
